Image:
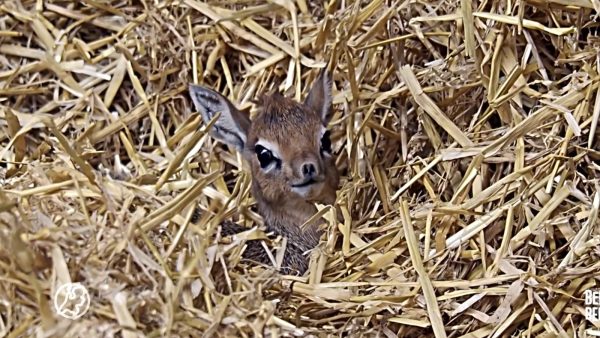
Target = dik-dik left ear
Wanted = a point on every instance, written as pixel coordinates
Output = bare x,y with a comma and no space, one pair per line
232,126
319,97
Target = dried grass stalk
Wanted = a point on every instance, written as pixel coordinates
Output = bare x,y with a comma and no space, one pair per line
467,137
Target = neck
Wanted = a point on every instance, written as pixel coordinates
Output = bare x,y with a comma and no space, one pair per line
287,219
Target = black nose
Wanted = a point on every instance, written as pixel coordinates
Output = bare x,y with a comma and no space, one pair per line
309,170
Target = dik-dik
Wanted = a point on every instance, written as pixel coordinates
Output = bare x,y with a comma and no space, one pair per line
288,149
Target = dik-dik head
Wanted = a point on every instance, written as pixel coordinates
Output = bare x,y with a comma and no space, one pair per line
287,143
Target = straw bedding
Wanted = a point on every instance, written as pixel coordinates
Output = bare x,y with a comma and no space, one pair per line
466,134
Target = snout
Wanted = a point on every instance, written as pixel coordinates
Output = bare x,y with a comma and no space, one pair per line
314,179
309,172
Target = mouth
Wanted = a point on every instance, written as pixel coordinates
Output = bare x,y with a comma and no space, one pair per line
305,183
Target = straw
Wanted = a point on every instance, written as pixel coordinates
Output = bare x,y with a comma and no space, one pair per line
466,136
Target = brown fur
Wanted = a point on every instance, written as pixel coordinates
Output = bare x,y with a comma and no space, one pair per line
295,129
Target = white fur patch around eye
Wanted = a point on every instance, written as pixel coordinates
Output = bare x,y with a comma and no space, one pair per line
274,149
322,132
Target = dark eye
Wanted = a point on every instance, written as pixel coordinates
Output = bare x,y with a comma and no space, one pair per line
326,143
264,155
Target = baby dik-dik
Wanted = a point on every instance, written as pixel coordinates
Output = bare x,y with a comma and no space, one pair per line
289,152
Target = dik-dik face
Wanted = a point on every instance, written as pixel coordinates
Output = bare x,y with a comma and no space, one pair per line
287,144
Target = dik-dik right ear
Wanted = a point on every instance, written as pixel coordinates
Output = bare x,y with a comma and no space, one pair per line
319,97
232,126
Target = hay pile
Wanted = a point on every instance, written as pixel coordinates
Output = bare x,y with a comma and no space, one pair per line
466,133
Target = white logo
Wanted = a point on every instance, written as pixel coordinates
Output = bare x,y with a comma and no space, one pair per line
71,300
592,305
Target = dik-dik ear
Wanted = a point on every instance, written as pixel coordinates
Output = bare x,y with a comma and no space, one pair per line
319,97
232,126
